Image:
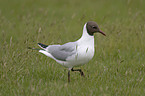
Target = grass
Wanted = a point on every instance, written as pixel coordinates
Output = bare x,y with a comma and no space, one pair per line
118,66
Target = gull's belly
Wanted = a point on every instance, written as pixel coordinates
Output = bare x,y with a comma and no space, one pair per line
83,55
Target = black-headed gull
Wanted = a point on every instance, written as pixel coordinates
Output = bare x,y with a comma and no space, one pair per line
76,53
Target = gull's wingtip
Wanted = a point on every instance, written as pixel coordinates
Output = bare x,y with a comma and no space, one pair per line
43,46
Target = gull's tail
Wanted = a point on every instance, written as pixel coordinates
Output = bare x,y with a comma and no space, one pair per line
43,50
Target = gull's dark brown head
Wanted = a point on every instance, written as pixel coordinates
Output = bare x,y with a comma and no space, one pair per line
92,27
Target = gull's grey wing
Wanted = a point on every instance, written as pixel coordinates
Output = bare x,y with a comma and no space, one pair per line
61,52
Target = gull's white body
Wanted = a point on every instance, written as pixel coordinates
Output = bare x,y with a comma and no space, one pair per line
84,51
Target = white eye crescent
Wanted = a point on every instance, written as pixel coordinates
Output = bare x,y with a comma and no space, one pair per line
94,27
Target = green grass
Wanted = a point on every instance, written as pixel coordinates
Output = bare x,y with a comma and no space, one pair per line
118,66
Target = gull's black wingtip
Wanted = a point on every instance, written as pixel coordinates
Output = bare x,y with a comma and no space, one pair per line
42,45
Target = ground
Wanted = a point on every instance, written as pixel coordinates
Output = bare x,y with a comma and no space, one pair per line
118,66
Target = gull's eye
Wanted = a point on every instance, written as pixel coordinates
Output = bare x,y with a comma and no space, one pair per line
94,27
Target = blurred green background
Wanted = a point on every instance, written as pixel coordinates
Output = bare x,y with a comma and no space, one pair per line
118,66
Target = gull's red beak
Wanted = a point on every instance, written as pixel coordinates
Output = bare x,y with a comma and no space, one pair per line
102,33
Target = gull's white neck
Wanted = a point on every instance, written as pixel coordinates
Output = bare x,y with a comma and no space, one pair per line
86,38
